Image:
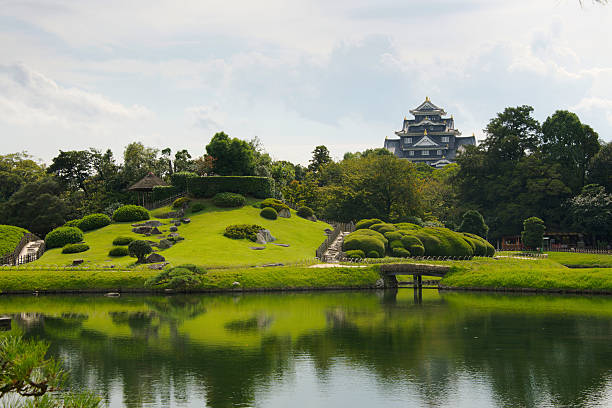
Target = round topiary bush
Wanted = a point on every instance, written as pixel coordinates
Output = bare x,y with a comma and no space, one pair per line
140,249
278,205
305,212
366,223
355,254
181,202
374,254
73,223
417,250
269,213
227,200
122,240
393,235
119,251
365,243
396,244
62,236
242,231
94,221
130,212
197,207
482,247
401,252
383,227
74,248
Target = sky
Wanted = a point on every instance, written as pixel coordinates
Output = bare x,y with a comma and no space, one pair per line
296,74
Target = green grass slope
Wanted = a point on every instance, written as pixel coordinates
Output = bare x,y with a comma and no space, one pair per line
204,242
9,238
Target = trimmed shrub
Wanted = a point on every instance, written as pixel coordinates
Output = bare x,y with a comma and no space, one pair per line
473,222
180,277
355,254
94,221
406,226
164,192
396,244
443,242
181,202
229,200
411,220
197,207
401,252
73,223
383,227
119,251
130,213
206,187
392,235
367,244
305,212
278,205
374,254
139,249
122,240
269,213
180,180
371,233
242,231
74,248
533,232
482,247
417,250
367,223
410,240
62,236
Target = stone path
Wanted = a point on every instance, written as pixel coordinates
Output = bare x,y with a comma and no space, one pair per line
30,248
335,249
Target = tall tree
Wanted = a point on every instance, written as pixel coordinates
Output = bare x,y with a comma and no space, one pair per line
320,157
73,168
183,162
567,141
591,212
139,160
232,156
600,167
474,223
17,169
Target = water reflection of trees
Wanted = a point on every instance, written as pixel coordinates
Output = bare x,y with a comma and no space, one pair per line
527,359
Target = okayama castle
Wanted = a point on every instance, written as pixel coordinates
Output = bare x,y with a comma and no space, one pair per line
429,138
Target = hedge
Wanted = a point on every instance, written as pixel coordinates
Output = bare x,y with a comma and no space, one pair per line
119,251
367,223
368,244
164,192
269,213
401,252
355,254
180,180
278,205
62,236
208,186
383,227
94,221
229,200
242,231
74,248
130,213
305,212
122,240
197,207
181,202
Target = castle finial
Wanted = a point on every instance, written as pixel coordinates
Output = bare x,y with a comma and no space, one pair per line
425,132
427,99
405,118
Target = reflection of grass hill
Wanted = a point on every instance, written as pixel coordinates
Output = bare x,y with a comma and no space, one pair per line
204,242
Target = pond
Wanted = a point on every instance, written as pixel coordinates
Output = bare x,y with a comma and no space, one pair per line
329,349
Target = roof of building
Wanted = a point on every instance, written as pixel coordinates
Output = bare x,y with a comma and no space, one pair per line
427,107
147,183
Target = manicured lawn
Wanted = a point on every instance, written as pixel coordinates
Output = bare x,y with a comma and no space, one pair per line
578,259
204,242
9,238
14,279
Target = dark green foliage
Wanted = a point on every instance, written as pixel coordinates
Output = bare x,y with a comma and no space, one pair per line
533,232
591,212
62,236
355,254
320,157
139,249
179,277
407,226
474,223
229,200
181,202
122,240
374,254
180,180
9,238
368,243
401,252
232,156
305,212
367,223
242,231
411,220
393,235
417,250
413,244
73,168
197,207
599,167
397,243
383,227
129,213
278,205
269,213
119,251
206,187
481,246
73,223
74,248
94,221
164,192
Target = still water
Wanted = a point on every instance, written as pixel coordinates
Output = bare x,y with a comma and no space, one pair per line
329,349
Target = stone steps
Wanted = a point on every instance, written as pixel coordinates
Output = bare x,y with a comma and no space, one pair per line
334,251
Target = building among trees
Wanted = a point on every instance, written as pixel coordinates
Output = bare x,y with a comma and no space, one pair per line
429,137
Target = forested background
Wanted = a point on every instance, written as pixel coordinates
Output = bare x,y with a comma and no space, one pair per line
559,171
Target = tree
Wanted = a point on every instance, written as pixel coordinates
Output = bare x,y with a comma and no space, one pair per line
182,161
600,166
232,156
474,223
17,169
73,168
566,140
139,249
204,165
533,232
283,173
591,212
139,160
320,157
512,134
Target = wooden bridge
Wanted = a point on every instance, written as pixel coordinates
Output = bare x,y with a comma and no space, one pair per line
390,271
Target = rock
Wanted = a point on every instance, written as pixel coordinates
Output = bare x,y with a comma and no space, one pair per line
264,236
282,245
186,220
380,283
158,266
173,229
112,294
155,258
177,238
312,218
271,264
284,213
328,231
235,284
155,231
137,225
173,235
164,244
258,248
142,230
177,223
77,262
153,223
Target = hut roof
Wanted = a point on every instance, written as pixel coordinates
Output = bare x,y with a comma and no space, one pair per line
147,183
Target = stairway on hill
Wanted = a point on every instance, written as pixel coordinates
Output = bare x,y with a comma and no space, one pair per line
29,251
334,251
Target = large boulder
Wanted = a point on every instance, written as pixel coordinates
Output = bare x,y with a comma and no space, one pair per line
264,236
284,213
173,229
312,218
155,258
142,230
153,223
155,231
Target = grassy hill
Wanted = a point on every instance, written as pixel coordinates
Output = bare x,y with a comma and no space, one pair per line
204,242
9,238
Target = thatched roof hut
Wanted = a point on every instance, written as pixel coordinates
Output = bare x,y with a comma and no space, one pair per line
147,183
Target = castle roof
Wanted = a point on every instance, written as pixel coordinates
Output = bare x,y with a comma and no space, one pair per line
427,108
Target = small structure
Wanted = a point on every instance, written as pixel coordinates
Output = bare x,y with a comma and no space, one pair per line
552,241
144,188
